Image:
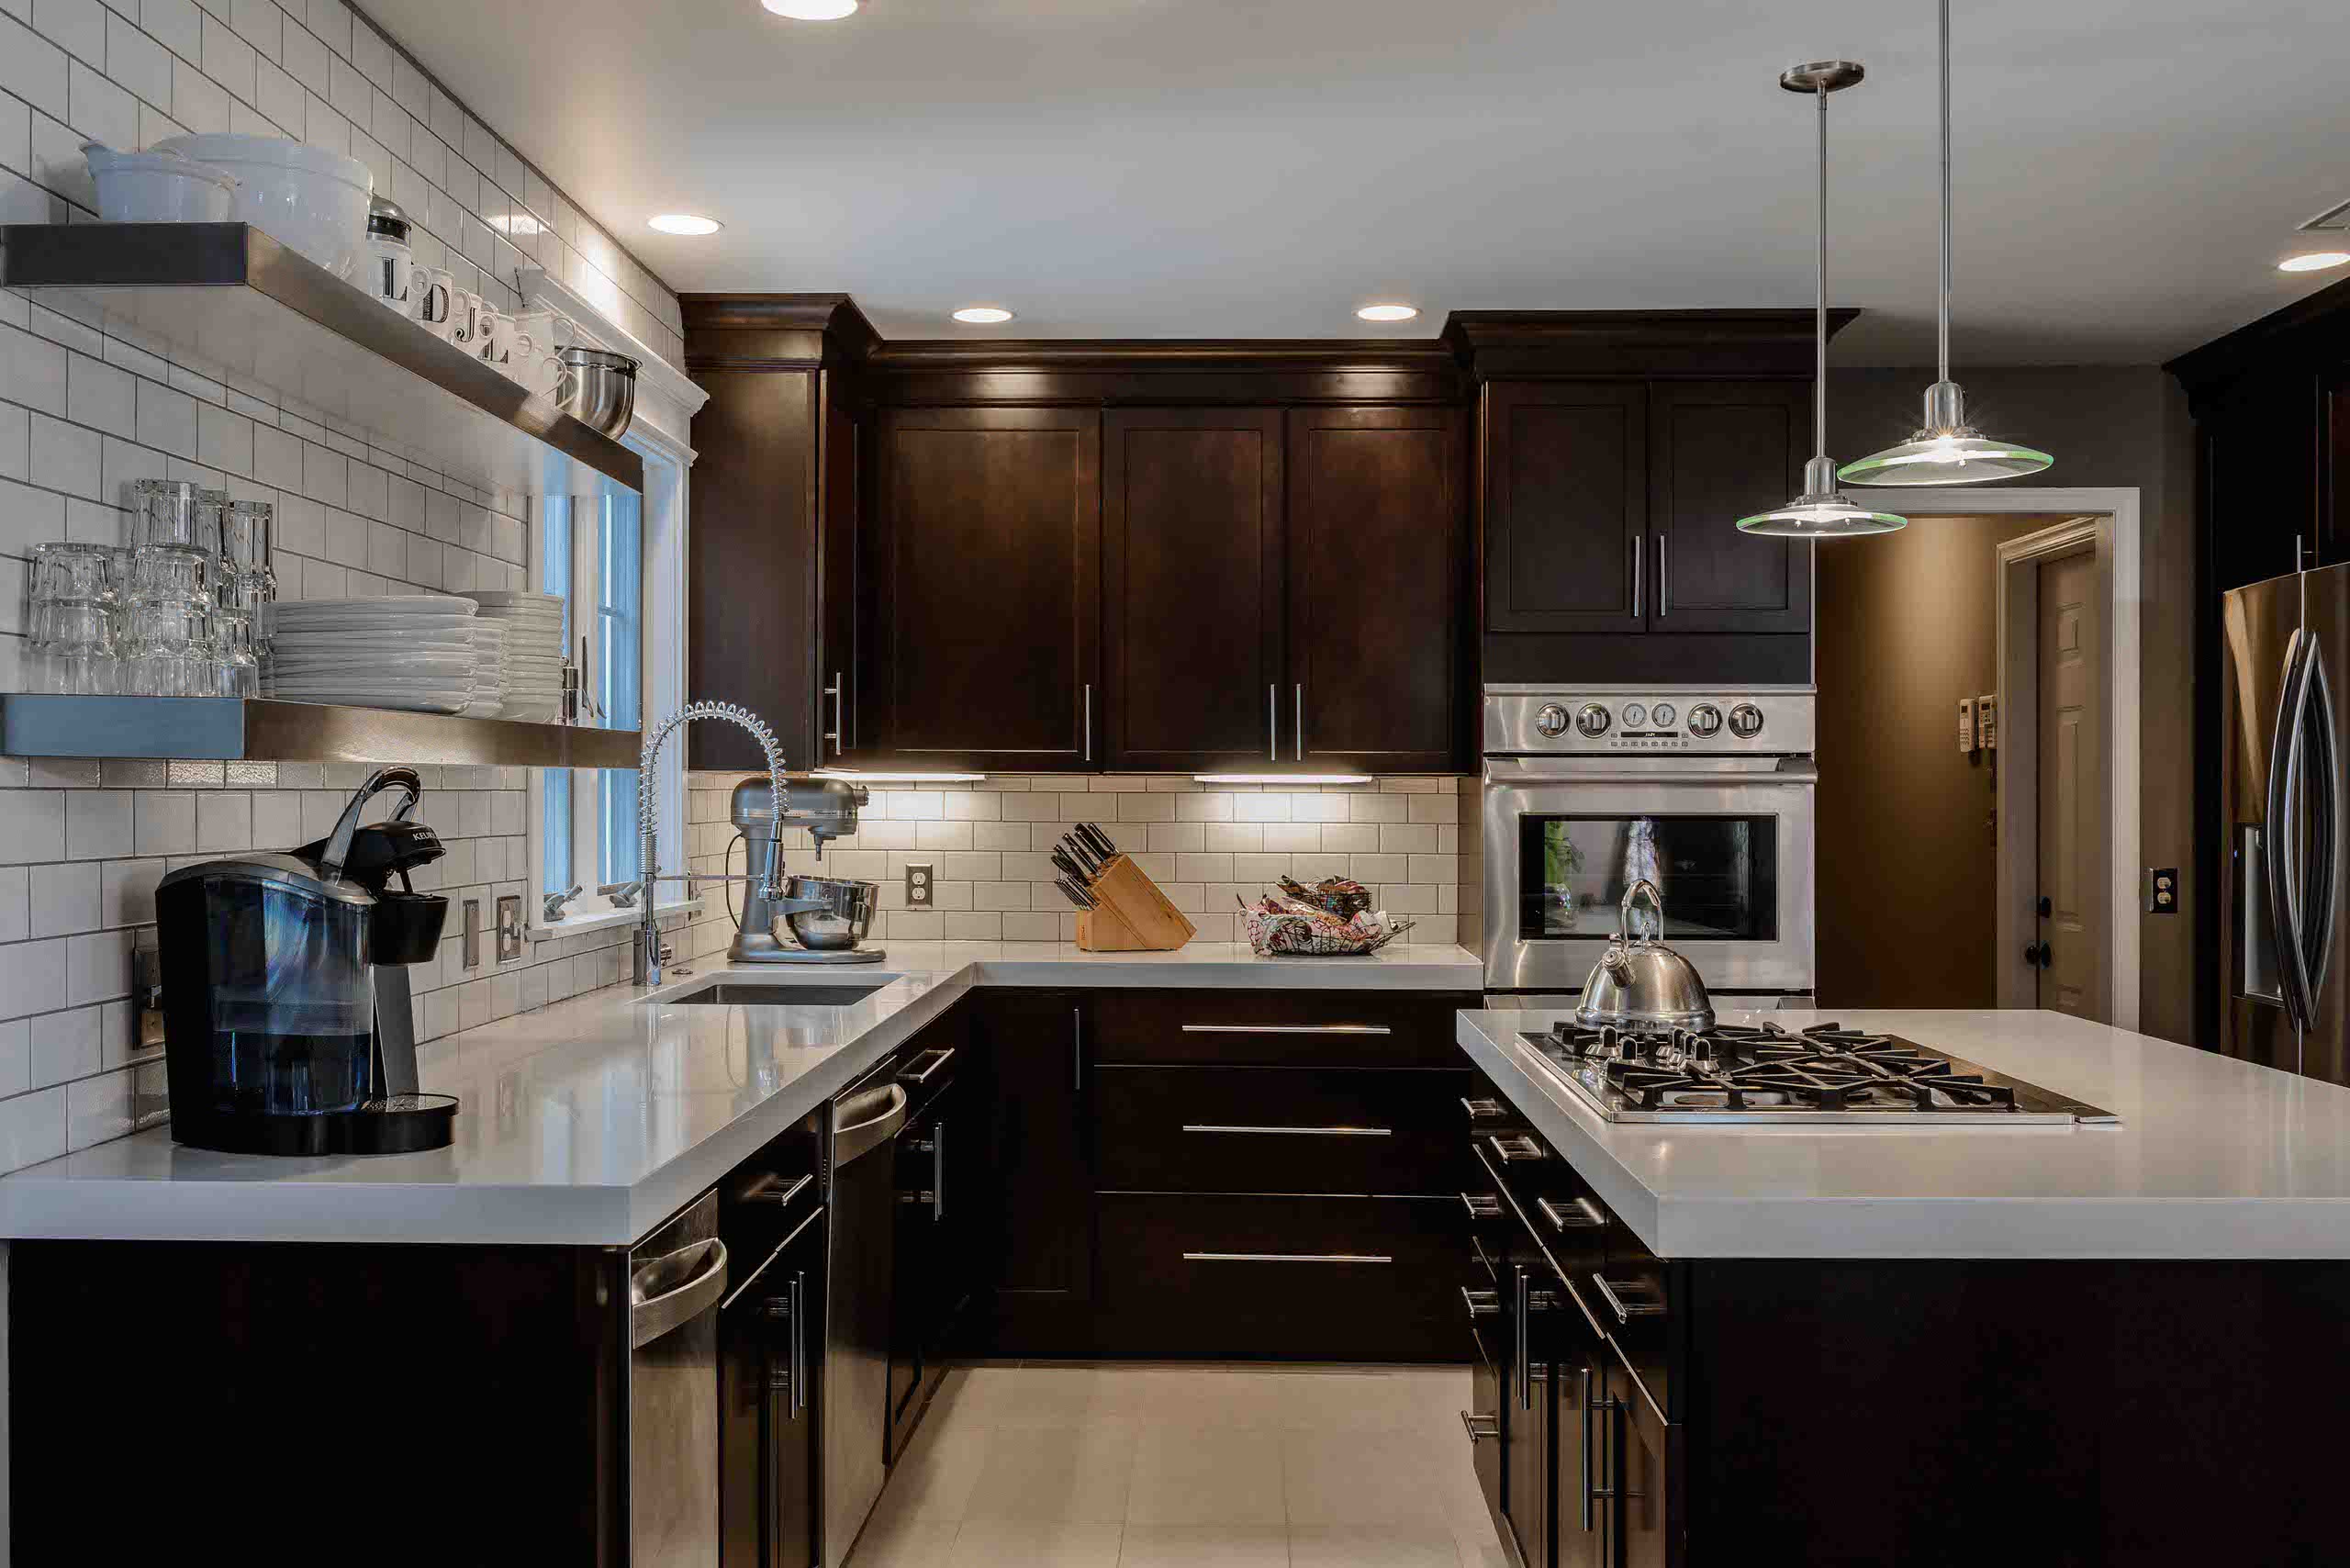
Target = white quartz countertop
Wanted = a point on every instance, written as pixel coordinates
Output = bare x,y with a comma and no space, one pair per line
589,1122
2213,1157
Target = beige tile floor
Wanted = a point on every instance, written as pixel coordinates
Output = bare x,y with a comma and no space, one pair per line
1122,1465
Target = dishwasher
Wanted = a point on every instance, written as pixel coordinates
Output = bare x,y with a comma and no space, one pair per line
863,1198
675,1277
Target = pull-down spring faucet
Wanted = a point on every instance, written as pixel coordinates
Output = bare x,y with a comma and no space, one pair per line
652,954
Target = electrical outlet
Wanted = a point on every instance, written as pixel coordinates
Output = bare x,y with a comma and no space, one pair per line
2162,889
509,927
918,885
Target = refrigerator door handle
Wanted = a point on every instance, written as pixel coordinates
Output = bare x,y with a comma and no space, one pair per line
2321,766
2279,837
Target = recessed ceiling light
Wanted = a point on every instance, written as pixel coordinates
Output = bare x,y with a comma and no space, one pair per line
1388,312
2313,261
812,10
684,223
983,315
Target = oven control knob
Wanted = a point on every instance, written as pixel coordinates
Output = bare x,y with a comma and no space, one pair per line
1552,721
1704,720
1593,719
1746,721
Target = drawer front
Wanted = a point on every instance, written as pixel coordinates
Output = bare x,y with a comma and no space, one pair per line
1278,1129
1322,1279
1280,1028
1631,1296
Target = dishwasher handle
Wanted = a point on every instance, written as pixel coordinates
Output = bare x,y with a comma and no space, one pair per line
672,1290
878,1114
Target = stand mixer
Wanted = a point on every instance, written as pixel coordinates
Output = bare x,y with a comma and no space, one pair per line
829,915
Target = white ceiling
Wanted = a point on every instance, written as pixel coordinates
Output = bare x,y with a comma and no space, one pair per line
2128,171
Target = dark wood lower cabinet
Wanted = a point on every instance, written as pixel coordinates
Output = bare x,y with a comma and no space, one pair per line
770,1358
1028,1087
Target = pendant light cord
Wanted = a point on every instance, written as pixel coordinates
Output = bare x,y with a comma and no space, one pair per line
1945,283
1820,320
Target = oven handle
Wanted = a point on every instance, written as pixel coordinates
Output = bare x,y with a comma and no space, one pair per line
1711,772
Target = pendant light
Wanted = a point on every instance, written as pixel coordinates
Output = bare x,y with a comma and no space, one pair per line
1947,451
1820,512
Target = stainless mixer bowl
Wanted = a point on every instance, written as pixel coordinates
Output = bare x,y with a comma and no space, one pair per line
598,389
846,911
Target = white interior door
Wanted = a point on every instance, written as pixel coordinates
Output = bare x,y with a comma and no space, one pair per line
2073,828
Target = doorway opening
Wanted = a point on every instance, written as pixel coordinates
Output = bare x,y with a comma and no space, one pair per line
1941,761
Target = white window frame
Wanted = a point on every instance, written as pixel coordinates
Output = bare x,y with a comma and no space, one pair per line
666,402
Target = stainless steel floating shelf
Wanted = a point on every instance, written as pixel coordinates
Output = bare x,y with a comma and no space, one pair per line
258,729
227,295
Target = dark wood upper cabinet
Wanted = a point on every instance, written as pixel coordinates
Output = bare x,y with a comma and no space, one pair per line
981,569
1192,576
1566,507
1720,451
1378,565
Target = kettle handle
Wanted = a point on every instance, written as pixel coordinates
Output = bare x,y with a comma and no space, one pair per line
1656,900
339,842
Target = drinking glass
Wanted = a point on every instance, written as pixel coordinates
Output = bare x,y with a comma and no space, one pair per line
245,535
178,513
235,666
167,650
62,571
167,571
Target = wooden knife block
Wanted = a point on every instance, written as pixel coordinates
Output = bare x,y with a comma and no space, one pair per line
1134,916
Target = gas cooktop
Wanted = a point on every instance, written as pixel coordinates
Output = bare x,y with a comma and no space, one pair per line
1826,1075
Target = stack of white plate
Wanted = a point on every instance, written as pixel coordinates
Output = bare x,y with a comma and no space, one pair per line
411,651
489,669
532,688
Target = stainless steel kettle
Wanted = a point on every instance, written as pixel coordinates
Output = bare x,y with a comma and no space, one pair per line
1641,985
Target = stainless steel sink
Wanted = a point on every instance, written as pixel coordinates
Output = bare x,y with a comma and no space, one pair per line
751,993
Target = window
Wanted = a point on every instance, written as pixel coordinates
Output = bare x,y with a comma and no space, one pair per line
594,548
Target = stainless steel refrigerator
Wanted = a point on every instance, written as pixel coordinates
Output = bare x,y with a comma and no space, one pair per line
2282,709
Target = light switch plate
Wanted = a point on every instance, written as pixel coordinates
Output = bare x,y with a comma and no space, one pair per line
472,912
918,885
1966,725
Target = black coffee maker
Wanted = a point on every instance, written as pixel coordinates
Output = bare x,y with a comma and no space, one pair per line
288,1021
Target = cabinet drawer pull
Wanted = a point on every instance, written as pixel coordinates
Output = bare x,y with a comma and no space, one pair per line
1286,1258
1482,1205
1581,1215
1481,1303
1287,1029
1516,1149
1642,1303
1483,1110
777,1189
933,1059
1303,1132
1481,1428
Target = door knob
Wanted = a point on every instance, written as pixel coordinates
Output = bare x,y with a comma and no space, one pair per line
2046,909
2038,953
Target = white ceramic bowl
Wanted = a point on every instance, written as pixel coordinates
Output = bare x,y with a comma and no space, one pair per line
307,198
159,187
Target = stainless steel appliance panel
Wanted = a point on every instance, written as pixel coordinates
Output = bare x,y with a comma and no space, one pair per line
1774,952
2265,660
677,1277
859,1277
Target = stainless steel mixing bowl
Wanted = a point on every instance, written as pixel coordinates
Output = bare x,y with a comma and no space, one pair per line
598,389
845,915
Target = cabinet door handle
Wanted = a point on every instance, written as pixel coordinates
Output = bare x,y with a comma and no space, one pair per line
1663,582
1480,1428
1299,738
1302,1131
1287,1257
1273,723
1640,1303
799,1342
1089,723
1287,1029
1581,1215
1639,558
1076,1048
1525,1315
938,1172
1516,1149
1481,1303
840,713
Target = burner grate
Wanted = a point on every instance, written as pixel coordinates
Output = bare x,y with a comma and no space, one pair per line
1743,1067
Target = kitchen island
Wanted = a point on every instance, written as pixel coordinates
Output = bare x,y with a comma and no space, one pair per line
2080,1343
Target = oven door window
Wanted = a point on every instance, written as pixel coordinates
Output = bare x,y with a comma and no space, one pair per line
1718,875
